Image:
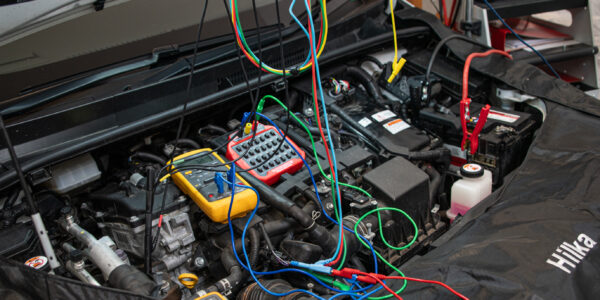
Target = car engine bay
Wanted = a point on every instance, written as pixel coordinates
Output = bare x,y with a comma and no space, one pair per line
199,206
403,136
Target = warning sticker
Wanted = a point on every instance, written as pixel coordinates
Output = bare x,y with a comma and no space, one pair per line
396,126
502,116
37,262
364,122
383,115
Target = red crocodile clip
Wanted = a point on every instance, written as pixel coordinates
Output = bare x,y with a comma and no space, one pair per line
472,137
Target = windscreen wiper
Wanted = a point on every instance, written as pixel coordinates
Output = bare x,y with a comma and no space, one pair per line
45,96
218,54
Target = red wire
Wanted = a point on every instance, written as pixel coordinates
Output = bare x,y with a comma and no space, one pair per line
247,54
384,286
461,296
318,113
465,89
454,2
377,278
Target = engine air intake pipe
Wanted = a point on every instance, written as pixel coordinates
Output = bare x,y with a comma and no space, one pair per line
119,274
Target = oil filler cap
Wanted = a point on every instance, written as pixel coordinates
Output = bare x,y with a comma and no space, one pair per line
471,170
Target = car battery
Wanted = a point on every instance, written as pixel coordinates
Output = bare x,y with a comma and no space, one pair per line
503,142
380,125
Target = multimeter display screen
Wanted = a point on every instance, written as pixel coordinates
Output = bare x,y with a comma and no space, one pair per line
203,159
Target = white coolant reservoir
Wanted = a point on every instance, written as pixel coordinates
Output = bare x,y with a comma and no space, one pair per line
469,191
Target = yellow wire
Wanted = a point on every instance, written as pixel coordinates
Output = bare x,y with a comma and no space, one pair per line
396,65
326,24
394,31
325,34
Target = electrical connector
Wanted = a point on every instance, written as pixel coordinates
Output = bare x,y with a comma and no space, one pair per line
396,68
219,183
312,267
230,178
259,108
247,128
356,274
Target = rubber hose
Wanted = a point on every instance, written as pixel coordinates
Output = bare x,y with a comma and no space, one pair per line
273,228
214,128
435,181
373,60
367,81
441,155
254,245
279,201
314,130
149,157
255,292
127,277
11,199
188,142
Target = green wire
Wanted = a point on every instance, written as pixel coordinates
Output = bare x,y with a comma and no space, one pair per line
332,281
259,109
249,50
312,141
260,106
386,243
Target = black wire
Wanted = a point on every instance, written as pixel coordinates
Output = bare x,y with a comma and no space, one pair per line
441,10
254,103
455,14
246,78
435,7
254,98
276,150
182,116
269,243
439,47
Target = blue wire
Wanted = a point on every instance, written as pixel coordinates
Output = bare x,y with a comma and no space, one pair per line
318,197
246,115
264,64
340,292
320,88
315,186
243,244
521,39
247,267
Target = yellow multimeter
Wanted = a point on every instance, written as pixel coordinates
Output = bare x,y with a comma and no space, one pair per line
212,296
212,197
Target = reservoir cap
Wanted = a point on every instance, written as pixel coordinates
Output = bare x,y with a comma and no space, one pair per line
471,170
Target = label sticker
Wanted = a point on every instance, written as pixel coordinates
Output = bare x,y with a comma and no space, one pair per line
364,122
37,262
502,116
396,126
456,151
383,115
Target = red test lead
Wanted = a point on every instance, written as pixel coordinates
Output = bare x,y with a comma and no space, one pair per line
372,278
472,137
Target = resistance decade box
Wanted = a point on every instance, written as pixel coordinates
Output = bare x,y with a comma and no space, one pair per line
265,142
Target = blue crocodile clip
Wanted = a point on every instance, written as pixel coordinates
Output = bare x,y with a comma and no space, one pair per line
219,182
230,178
